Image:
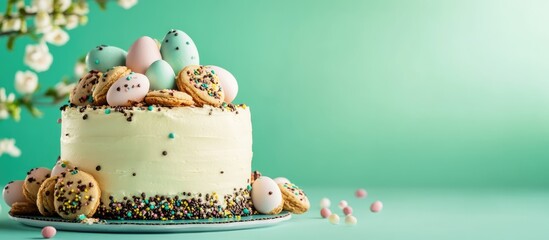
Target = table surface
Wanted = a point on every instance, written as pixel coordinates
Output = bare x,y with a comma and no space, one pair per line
407,214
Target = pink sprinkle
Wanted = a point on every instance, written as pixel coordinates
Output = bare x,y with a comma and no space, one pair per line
59,120
325,212
343,204
361,193
377,206
347,210
48,232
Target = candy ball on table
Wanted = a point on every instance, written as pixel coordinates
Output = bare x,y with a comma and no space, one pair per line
342,204
228,83
161,75
350,220
377,206
348,210
142,54
361,193
266,196
48,232
325,212
325,203
104,57
13,192
179,50
334,218
128,89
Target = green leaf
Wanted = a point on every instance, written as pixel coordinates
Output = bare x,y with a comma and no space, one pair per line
11,42
15,111
102,4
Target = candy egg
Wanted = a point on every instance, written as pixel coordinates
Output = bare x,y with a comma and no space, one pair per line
13,192
128,89
348,210
342,204
179,50
103,57
350,220
60,166
142,54
228,83
48,232
325,203
281,180
377,206
266,196
361,193
161,75
325,212
334,218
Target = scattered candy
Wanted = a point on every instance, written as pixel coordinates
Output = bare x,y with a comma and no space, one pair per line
325,203
343,204
350,220
377,206
361,193
347,210
325,212
334,218
48,232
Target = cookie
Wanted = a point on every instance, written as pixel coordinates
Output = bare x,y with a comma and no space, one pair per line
295,200
24,208
44,200
107,80
35,178
76,193
202,84
169,98
82,93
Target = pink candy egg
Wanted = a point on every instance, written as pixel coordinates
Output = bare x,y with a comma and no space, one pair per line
228,83
13,192
48,232
342,204
325,212
142,54
347,210
377,206
361,193
131,88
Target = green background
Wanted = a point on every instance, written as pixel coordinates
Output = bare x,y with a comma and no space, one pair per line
384,94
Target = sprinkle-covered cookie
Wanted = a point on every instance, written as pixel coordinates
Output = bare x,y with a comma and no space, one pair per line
75,194
295,200
24,208
107,80
35,178
202,84
82,93
169,98
45,199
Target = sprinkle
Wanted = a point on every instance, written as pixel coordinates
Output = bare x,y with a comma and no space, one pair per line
85,116
128,78
98,168
176,48
249,187
171,135
164,153
81,217
213,72
59,120
150,108
107,111
96,61
187,43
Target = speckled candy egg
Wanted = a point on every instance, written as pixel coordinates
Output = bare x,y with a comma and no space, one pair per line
103,57
161,75
281,180
228,83
142,54
13,192
128,89
60,166
266,196
178,50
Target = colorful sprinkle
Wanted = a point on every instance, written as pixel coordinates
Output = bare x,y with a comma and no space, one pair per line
150,108
128,78
108,111
171,135
96,61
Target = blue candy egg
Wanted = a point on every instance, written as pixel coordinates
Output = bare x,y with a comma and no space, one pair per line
161,75
179,50
104,57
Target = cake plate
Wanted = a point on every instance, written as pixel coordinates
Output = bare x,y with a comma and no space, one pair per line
155,226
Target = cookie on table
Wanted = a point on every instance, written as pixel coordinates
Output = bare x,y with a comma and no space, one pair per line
35,178
107,80
202,84
82,93
45,199
169,98
76,193
24,208
295,200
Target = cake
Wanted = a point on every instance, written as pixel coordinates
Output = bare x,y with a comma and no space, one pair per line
150,134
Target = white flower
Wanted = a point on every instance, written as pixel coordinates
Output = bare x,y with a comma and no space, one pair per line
59,19
57,37
81,8
43,5
127,4
26,82
63,89
7,145
79,69
63,4
13,24
42,22
38,57
72,22
4,101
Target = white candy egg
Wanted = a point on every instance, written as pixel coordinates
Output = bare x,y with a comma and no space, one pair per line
266,196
